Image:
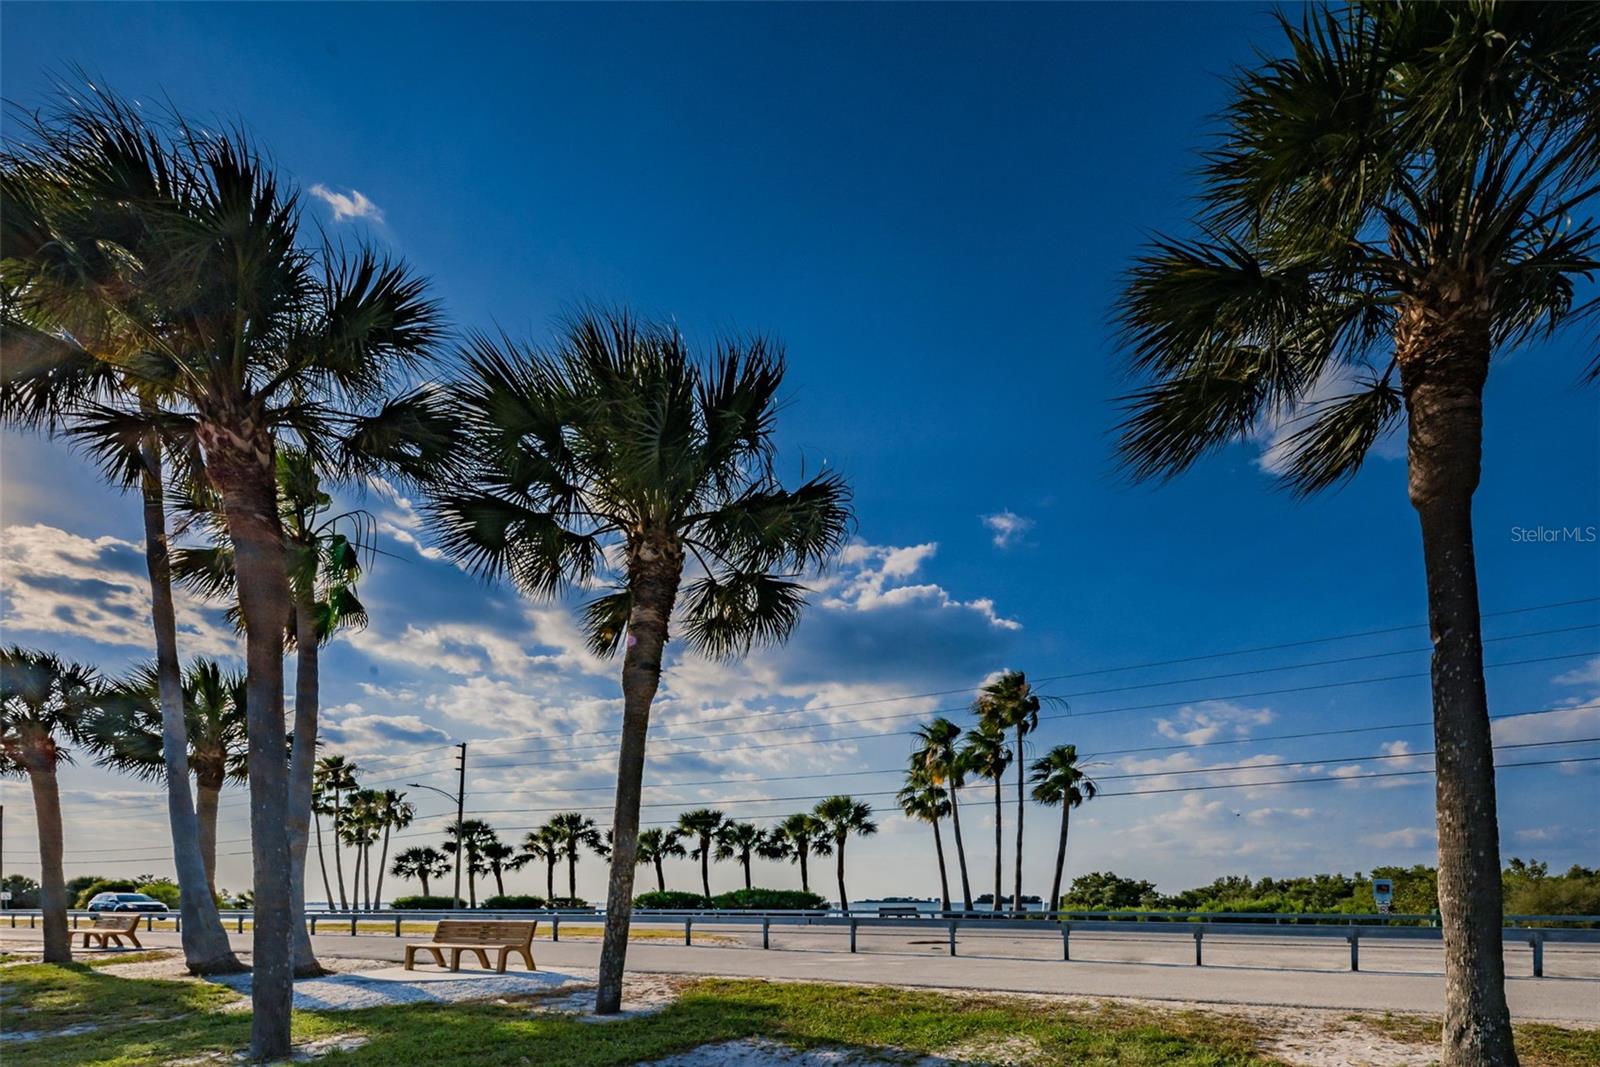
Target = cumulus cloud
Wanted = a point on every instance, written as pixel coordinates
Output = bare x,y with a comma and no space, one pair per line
1198,724
96,589
1588,674
873,577
351,205
1007,526
1405,837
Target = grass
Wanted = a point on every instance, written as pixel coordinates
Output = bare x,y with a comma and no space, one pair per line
1538,1045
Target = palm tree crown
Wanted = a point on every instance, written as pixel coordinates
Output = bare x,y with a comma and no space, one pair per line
656,845
1059,780
844,817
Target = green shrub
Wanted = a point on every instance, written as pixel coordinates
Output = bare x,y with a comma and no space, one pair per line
768,900
423,903
567,902
24,891
671,900
513,902
103,885
164,891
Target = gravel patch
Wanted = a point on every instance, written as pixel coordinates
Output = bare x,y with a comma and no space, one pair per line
759,1053
389,984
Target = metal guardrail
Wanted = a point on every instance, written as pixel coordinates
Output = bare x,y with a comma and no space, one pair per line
1577,929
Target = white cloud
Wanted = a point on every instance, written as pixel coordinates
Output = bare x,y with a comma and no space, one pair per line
1405,837
1197,724
1588,674
872,577
1008,527
351,205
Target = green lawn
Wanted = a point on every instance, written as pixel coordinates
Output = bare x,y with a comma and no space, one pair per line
148,1021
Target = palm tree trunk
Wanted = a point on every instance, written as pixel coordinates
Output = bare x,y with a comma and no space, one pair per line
1444,359
366,875
944,876
423,878
844,900
661,878
961,851
207,794
1022,797
472,881
747,870
499,883
549,879
997,828
572,874
655,566
705,868
338,863
805,878
383,861
1061,858
322,862
302,763
52,881
239,453
205,943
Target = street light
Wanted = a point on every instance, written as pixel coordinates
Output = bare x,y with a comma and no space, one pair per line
460,799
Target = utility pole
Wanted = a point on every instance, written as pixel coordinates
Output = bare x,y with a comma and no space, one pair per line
461,800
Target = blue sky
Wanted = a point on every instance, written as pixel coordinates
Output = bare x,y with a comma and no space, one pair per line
931,207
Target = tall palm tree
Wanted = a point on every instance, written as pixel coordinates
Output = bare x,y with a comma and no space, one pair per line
127,734
256,337
702,826
619,445
922,800
574,831
843,817
470,839
741,841
45,705
422,863
541,844
322,804
1058,778
1404,195
395,812
1009,703
498,856
335,779
987,754
803,836
939,755
656,844
362,825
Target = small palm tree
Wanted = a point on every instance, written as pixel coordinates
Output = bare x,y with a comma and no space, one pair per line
843,817
702,826
394,813
470,839
802,836
542,845
741,841
362,823
421,863
574,831
127,734
1058,778
922,800
499,855
1009,703
938,754
335,779
45,704
619,445
657,844
988,755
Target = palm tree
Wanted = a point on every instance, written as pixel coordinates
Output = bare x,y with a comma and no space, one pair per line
541,845
618,444
336,776
1009,703
702,825
939,755
127,733
573,831
257,337
987,755
657,844
921,799
396,813
803,836
422,863
499,855
841,817
1399,199
45,703
321,804
470,838
361,826
741,840
1058,778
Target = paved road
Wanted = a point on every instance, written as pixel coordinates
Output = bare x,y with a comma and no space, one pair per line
1239,970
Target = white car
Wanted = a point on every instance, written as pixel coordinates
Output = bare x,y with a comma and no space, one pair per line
125,902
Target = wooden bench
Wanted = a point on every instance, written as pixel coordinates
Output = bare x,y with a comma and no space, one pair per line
898,912
477,936
114,926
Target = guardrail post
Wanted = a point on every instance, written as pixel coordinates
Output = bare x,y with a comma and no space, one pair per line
241,924
149,923
766,930
1355,951
312,918
555,928
30,922
1198,934
352,925
688,925
852,935
74,921
397,928
1066,941
952,937
177,922
1536,942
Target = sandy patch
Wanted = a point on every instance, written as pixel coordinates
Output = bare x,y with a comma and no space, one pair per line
388,983
759,1053
642,994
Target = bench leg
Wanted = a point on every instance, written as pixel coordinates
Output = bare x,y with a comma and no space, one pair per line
85,940
455,959
527,954
483,957
134,938
500,963
411,957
